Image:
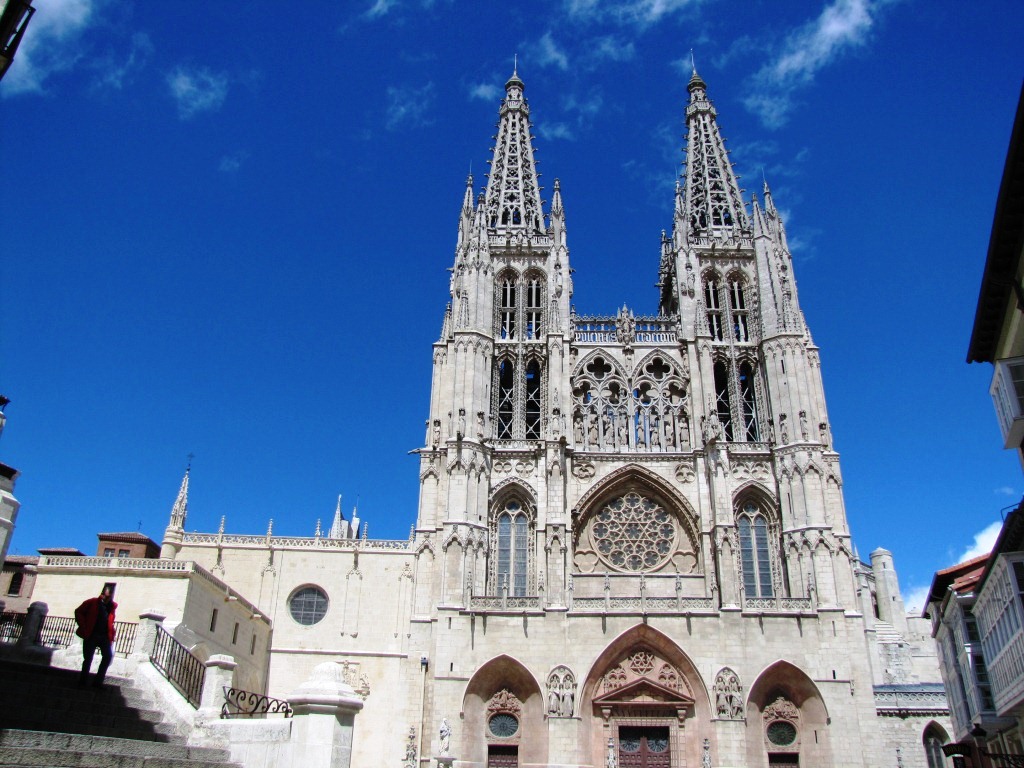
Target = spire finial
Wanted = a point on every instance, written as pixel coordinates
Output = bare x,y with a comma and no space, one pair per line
515,63
693,62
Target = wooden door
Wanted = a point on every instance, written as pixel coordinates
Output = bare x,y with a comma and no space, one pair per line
502,757
644,747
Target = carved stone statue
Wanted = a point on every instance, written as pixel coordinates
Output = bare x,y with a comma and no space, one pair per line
783,429
446,737
611,760
568,700
804,434
554,700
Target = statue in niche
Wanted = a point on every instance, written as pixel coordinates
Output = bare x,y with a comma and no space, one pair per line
804,434
445,733
783,429
606,428
712,427
621,429
577,428
437,432
823,433
462,423
480,424
592,437
684,429
554,700
655,436
568,700
556,422
728,695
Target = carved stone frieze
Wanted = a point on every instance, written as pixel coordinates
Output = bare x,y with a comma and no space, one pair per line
561,699
728,695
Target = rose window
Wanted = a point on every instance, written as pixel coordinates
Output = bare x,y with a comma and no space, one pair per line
634,533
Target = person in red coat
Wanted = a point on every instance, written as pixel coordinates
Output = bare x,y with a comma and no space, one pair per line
95,618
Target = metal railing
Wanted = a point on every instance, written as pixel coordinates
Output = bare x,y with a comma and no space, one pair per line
11,624
176,662
239,703
58,632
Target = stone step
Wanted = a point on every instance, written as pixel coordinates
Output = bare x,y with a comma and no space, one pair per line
55,758
65,742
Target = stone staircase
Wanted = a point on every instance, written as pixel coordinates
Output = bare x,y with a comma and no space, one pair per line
47,720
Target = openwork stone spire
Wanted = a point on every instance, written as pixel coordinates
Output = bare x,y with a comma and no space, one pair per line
180,509
711,204
513,196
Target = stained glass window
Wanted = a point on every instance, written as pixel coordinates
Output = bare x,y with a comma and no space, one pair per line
308,605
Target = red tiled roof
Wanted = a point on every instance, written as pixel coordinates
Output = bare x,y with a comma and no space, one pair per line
21,560
128,537
61,551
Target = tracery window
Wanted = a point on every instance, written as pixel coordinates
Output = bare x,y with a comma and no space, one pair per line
755,557
507,308
722,399
506,398
513,549
534,307
307,606
738,310
714,308
933,749
748,401
533,398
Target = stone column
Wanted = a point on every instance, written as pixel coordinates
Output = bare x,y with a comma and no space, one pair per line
33,624
324,710
145,633
220,672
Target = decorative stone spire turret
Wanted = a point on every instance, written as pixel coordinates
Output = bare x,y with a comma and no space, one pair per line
339,527
513,194
175,531
711,205
180,509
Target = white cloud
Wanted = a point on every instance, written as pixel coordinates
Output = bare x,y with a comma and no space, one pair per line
546,51
197,90
914,599
231,163
380,8
117,74
52,44
631,12
556,131
409,106
1006,490
485,91
611,48
843,25
984,540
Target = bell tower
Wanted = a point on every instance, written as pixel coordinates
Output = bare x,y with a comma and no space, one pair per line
492,469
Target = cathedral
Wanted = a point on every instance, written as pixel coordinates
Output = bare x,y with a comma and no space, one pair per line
631,547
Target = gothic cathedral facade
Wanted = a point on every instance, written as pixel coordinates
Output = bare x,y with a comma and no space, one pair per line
631,547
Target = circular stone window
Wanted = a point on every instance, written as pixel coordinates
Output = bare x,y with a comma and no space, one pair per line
503,726
308,605
781,733
633,533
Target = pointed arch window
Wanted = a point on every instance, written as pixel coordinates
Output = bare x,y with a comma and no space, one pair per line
714,308
748,399
933,749
754,552
506,399
722,404
507,308
533,397
534,307
738,310
513,548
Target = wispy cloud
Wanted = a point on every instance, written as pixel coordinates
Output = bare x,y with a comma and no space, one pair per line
611,48
552,131
232,162
915,597
116,73
843,25
197,90
410,107
485,91
52,44
626,12
546,52
380,8
1006,490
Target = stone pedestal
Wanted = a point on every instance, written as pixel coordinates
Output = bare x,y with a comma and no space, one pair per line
324,710
220,673
445,761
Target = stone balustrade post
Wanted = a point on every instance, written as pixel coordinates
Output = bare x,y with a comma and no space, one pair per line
220,673
324,710
145,633
33,624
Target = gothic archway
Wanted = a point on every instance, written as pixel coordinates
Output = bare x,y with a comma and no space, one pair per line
503,714
644,701
787,719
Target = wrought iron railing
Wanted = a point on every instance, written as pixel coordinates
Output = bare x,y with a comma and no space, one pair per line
239,703
176,662
58,632
11,624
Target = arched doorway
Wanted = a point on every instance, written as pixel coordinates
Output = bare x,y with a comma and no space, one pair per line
644,704
503,710
787,723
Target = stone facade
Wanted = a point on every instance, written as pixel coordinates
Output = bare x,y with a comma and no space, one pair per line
631,546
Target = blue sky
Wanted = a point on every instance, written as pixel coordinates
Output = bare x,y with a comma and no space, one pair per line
227,228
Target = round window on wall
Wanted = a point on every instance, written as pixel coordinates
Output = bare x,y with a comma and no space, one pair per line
503,725
781,733
308,605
